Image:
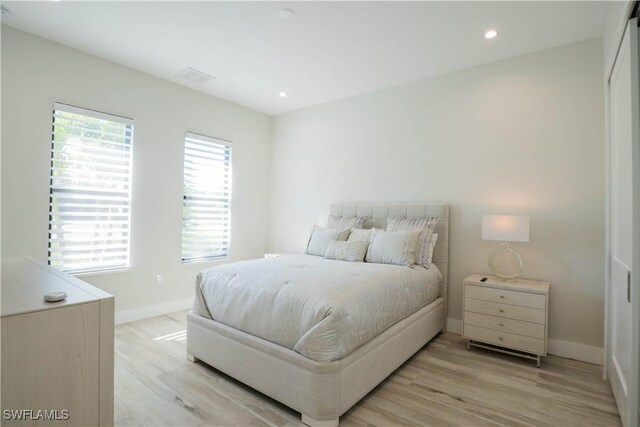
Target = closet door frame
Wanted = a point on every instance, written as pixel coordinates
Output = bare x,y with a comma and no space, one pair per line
631,415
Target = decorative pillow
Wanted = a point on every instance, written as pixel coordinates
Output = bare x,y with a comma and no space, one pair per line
343,223
427,225
347,251
360,235
393,247
320,238
432,246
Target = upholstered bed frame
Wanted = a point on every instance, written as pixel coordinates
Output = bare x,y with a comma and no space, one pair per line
323,391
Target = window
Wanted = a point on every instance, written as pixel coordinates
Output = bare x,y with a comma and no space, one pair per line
90,194
206,212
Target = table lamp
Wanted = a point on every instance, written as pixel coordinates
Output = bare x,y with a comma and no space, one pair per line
506,229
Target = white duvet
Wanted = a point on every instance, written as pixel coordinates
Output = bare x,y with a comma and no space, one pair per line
323,309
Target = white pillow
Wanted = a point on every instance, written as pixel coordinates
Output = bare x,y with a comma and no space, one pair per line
393,247
320,238
343,223
426,225
360,235
347,251
432,246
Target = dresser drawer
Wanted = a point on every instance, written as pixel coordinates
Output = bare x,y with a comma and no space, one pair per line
505,310
505,339
534,330
503,296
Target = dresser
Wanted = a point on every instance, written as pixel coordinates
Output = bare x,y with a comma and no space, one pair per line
57,358
507,316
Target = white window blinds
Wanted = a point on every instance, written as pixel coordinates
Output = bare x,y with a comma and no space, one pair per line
206,224
90,193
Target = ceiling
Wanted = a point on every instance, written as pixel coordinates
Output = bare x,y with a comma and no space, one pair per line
328,51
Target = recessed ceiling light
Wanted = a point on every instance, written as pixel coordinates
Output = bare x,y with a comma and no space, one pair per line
287,14
490,34
283,94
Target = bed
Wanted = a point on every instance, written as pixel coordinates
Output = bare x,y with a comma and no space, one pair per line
320,352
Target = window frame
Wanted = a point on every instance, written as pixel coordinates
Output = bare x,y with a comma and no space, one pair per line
200,138
128,136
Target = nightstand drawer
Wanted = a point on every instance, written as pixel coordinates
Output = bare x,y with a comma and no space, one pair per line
519,342
504,310
503,296
533,330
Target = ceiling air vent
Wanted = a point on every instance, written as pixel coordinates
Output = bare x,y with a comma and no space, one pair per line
194,76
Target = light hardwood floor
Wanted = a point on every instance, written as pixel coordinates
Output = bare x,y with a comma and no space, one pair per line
443,384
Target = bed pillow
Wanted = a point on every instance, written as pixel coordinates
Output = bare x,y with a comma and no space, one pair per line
393,247
360,235
427,225
320,238
343,223
432,246
347,251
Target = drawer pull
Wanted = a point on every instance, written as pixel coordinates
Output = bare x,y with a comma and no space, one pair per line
502,310
501,324
501,338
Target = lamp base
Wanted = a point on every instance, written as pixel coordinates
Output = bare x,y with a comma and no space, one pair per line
505,247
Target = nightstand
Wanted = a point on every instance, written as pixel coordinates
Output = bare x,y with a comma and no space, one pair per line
510,316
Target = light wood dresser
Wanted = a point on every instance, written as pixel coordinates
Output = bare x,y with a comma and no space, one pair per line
507,316
57,358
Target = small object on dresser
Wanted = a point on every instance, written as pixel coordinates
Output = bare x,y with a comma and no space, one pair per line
55,296
509,317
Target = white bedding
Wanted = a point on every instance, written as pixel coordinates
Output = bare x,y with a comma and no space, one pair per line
323,309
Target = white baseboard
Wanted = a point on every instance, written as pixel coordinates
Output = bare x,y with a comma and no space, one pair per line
126,316
576,351
454,326
567,349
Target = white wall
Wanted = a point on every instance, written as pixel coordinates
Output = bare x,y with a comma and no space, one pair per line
524,135
36,73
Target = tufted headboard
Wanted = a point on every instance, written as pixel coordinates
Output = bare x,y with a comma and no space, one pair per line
378,213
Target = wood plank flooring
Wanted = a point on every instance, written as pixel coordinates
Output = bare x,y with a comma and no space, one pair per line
443,384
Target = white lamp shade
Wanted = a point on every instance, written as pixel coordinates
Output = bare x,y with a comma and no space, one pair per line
505,228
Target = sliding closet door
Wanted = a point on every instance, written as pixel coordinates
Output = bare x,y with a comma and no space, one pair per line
623,300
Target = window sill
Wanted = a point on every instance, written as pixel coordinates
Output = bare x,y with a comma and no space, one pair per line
101,272
202,261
